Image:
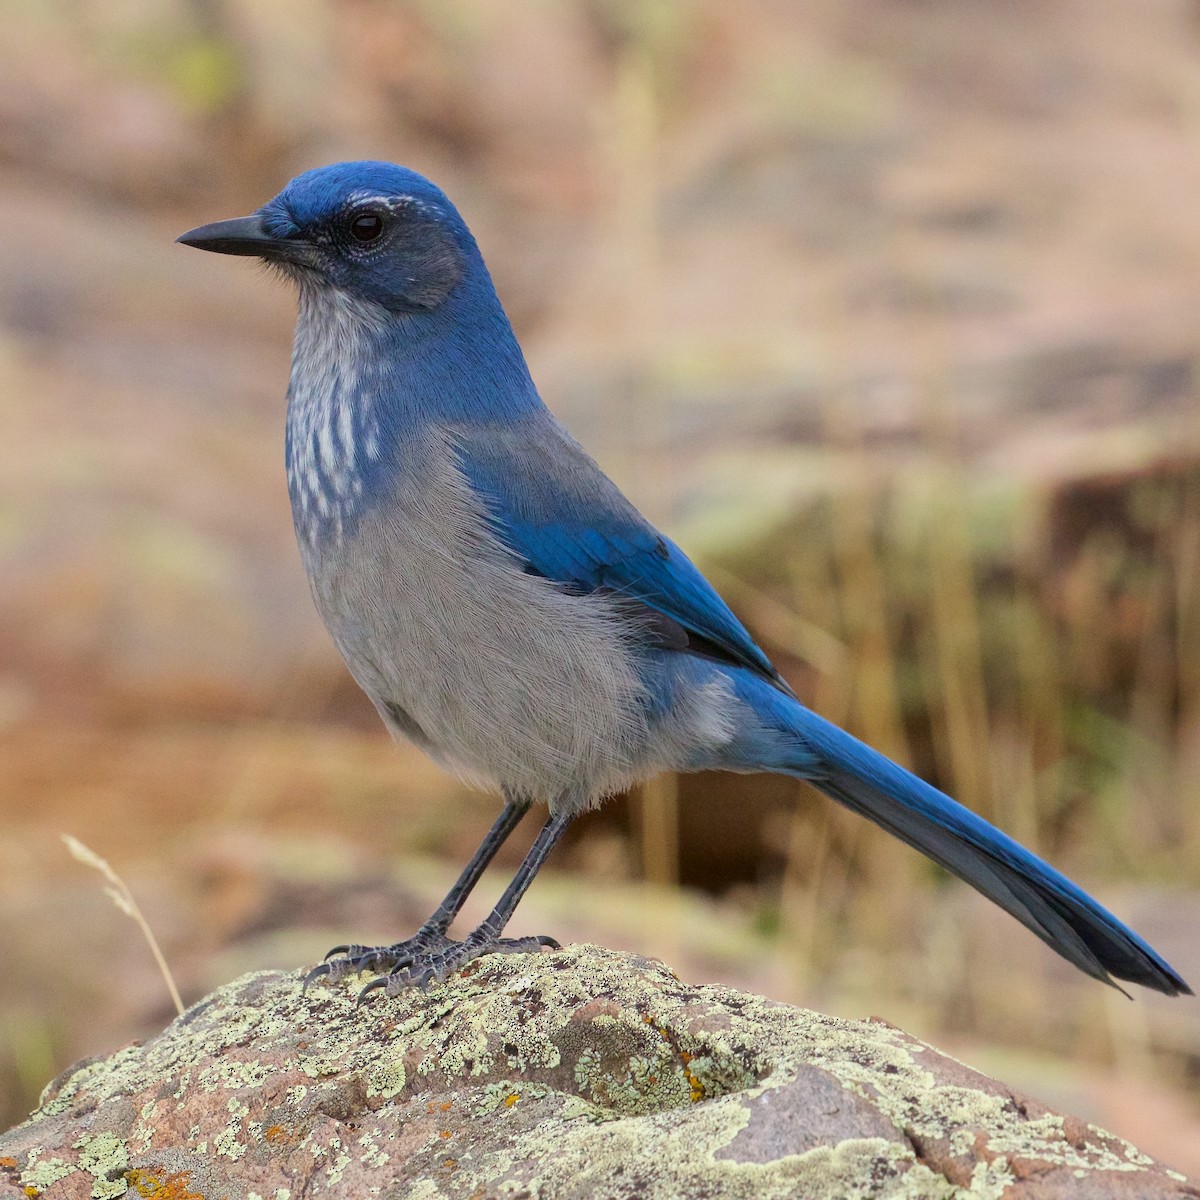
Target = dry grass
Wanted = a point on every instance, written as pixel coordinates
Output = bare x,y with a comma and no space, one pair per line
118,892
793,198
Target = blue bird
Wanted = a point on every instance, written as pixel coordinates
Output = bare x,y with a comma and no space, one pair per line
508,610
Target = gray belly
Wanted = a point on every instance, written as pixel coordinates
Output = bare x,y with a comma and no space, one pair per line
497,673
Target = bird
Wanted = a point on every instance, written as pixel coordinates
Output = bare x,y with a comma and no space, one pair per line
509,611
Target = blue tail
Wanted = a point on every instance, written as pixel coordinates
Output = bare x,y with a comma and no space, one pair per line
1065,917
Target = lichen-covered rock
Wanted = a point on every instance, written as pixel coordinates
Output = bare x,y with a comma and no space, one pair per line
584,1073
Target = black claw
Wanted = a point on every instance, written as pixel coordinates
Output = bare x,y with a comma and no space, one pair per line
426,958
313,975
379,982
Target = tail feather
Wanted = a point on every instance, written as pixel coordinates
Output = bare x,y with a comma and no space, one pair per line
1064,916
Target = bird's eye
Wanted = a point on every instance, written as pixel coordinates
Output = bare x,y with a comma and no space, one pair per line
366,227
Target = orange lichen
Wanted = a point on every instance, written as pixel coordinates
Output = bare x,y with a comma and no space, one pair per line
511,1099
173,1187
694,1083
698,1092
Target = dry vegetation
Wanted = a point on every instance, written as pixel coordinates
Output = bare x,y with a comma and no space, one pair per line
887,311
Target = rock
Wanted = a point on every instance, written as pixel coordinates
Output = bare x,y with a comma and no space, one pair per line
584,1073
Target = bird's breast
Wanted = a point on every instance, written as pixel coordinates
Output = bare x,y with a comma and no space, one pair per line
498,672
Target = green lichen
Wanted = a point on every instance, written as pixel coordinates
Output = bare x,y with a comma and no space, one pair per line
372,1155
143,1130
508,1093
583,1074
586,1065
386,1079
337,1168
228,1143
84,1077
105,1158
990,1180
40,1173
232,1073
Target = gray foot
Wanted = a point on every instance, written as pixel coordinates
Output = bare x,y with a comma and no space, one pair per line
427,957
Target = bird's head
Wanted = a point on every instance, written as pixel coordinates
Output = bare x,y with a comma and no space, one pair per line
376,231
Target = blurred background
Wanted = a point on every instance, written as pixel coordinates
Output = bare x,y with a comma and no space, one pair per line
886,309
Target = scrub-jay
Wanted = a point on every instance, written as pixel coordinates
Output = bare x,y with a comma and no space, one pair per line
507,609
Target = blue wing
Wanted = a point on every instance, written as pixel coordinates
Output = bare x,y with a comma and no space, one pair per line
566,520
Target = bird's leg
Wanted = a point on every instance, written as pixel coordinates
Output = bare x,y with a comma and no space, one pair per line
444,960
347,959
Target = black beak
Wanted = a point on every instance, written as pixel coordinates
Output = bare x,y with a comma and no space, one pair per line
245,235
